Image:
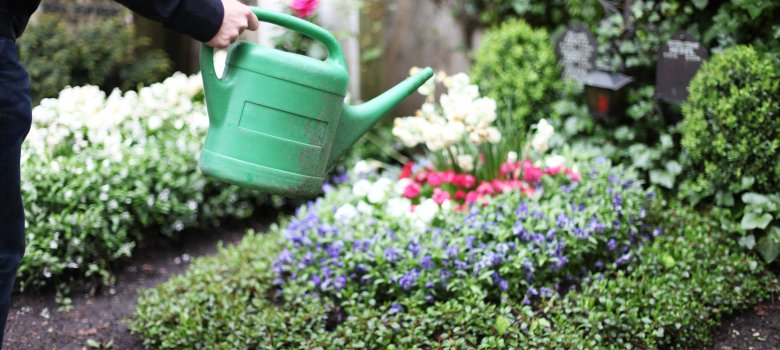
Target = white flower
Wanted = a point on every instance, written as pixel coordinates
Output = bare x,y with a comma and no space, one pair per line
493,135
362,167
346,213
365,208
466,162
511,156
361,188
555,161
398,207
544,131
426,211
378,191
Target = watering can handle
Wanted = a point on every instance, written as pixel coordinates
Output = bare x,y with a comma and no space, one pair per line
335,55
307,28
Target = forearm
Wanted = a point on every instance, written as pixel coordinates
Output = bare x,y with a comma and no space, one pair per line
200,19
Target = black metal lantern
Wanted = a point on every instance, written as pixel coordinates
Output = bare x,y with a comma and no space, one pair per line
605,94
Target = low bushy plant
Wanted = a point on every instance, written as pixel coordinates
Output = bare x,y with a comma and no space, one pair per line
516,66
100,174
360,255
107,54
731,128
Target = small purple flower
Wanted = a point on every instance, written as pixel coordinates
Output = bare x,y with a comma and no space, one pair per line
316,280
623,259
545,292
580,233
532,291
341,178
429,284
469,241
426,263
611,245
616,224
562,220
414,249
538,214
429,298
340,282
650,195
617,201
503,285
453,251
334,250
285,257
461,265
308,258
598,264
521,232
596,226
538,238
395,308
658,231
408,280
522,210
327,187
612,179
391,254
551,234
444,275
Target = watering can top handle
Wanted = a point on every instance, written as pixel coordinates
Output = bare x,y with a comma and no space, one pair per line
307,28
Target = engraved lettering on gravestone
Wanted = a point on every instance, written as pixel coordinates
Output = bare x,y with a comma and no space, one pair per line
678,61
576,51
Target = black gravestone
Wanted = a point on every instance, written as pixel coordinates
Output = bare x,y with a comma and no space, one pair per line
678,61
576,50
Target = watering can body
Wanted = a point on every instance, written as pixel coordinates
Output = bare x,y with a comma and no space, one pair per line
277,120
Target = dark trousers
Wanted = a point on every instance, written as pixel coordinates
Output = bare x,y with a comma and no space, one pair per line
15,120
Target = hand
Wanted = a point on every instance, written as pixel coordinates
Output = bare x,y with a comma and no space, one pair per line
238,17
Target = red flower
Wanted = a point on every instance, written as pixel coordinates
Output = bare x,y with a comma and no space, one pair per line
406,172
499,186
460,194
421,176
412,190
440,196
531,173
471,197
448,176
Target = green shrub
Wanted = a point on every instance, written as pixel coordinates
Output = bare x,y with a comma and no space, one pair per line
107,54
732,122
516,66
99,175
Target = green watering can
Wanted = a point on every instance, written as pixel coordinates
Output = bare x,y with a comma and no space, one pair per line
277,120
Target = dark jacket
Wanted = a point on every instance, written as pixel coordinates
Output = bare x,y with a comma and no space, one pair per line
199,19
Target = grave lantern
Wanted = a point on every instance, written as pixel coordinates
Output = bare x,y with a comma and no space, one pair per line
605,94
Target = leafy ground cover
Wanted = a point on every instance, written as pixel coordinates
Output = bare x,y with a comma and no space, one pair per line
317,283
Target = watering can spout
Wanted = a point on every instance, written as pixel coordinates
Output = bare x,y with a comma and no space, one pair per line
357,120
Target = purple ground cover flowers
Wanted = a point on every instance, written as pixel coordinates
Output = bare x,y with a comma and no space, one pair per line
526,249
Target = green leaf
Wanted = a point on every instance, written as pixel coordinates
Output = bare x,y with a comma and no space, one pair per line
754,198
92,343
753,221
673,167
747,182
748,241
700,4
768,248
725,199
502,324
663,178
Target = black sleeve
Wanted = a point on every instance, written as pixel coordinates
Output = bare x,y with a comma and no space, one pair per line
199,19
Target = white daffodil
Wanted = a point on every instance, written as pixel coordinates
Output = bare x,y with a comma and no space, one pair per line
544,131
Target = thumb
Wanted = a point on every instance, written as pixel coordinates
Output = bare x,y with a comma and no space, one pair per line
253,22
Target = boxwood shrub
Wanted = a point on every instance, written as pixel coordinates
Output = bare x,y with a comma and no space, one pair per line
731,128
516,66
100,174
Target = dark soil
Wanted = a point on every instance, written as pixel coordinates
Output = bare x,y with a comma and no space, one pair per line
99,316
755,329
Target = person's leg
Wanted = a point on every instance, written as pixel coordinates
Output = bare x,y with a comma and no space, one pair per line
15,120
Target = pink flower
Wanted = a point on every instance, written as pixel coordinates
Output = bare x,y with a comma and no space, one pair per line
484,188
499,186
553,171
573,175
460,194
304,8
406,172
508,168
440,196
435,179
421,176
531,173
448,176
412,190
471,197
469,181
